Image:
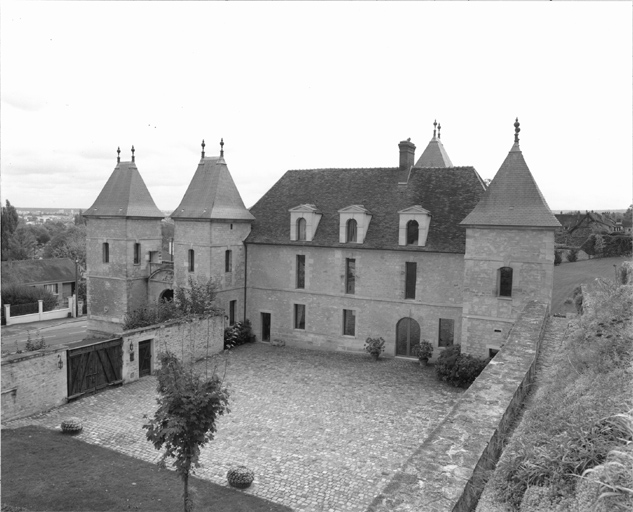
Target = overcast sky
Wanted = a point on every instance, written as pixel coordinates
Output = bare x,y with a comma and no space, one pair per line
312,85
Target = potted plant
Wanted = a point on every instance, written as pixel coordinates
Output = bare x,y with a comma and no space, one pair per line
375,347
424,351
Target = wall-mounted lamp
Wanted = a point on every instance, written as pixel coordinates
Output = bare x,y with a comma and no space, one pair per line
131,347
60,363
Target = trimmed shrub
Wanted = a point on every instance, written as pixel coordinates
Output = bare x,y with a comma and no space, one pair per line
18,294
457,369
238,334
572,255
558,259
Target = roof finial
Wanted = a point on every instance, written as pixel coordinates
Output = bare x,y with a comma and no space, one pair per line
439,127
202,148
118,155
132,153
221,147
434,127
516,130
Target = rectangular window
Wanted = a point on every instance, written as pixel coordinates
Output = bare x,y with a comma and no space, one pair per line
192,260
137,254
300,316
232,312
349,322
228,261
301,271
350,276
106,252
447,332
410,278
505,281
53,288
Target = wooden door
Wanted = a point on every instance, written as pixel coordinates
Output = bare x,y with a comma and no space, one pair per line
266,321
145,358
407,336
94,367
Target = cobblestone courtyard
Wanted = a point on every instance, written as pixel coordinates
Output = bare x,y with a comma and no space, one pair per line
322,431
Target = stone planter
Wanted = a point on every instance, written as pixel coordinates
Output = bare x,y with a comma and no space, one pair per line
424,361
72,426
240,477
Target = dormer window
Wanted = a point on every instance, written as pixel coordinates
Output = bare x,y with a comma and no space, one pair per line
414,226
304,220
301,229
353,224
351,231
413,230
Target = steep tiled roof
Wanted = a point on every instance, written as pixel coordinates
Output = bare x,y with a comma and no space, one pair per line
449,194
53,270
124,195
212,194
434,155
513,198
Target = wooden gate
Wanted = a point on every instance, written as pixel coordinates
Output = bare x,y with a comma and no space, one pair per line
94,366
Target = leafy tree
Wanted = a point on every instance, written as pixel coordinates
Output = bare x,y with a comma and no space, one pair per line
198,298
22,244
188,408
40,233
8,225
70,243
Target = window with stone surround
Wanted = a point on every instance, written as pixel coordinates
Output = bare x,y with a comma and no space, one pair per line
228,261
301,229
349,322
300,316
304,221
137,254
412,232
350,276
354,223
505,282
447,332
413,227
105,252
351,231
301,271
411,274
191,261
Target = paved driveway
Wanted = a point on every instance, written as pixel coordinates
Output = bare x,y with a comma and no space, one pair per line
322,431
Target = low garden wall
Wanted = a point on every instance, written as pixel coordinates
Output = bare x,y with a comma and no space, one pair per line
447,472
191,340
33,382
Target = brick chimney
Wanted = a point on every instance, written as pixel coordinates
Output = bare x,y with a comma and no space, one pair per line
407,154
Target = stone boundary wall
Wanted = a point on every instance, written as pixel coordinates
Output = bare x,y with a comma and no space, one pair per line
186,339
32,382
448,471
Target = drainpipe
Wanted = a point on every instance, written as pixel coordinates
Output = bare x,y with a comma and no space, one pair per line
245,276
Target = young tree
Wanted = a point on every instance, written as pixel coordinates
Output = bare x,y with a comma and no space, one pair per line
22,244
8,225
188,408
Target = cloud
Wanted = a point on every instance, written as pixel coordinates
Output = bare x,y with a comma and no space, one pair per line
23,101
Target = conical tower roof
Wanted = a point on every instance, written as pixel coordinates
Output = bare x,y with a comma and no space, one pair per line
434,155
513,197
124,195
212,194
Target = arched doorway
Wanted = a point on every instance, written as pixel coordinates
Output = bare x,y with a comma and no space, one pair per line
407,336
166,296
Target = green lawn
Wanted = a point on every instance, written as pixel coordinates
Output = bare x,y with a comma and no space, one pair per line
569,275
44,469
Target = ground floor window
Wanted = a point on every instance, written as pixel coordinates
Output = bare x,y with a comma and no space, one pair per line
232,305
447,332
349,322
300,316
53,288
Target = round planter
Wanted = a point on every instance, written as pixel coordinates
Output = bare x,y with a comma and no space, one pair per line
424,362
240,477
72,426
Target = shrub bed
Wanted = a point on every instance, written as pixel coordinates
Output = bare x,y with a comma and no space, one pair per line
457,369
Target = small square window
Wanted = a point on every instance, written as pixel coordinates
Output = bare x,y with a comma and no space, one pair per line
349,322
300,316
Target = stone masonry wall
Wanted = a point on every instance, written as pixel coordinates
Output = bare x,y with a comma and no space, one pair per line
120,286
487,317
447,472
33,382
378,300
185,339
